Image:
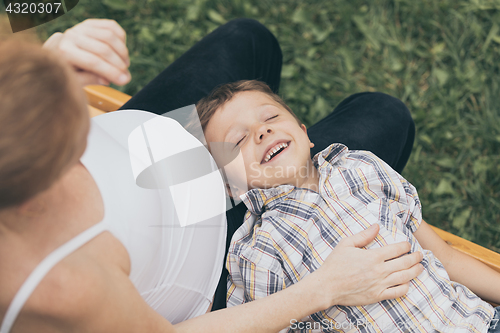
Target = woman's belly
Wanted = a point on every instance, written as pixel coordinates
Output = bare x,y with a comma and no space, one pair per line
175,242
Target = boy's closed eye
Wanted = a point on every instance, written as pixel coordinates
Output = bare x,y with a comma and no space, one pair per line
243,138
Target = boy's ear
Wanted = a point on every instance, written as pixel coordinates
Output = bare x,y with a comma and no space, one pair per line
311,145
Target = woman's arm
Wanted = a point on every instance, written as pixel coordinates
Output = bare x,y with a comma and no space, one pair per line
349,276
478,277
90,298
97,50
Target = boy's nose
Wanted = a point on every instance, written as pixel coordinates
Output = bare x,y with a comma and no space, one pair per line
263,131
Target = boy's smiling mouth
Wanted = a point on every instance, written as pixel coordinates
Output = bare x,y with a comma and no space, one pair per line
274,151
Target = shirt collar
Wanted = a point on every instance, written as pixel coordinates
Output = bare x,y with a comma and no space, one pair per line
332,155
259,200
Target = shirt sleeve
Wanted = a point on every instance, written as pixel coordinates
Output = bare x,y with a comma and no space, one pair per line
414,211
396,188
412,214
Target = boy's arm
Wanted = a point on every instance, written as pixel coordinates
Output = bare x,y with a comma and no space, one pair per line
478,277
475,275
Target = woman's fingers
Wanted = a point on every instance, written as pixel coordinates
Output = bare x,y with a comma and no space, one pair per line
105,50
87,78
110,39
398,282
410,269
117,39
104,39
92,63
404,262
393,251
395,292
362,238
53,42
358,276
95,46
107,24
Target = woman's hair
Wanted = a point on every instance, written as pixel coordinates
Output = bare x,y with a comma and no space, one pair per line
207,106
42,120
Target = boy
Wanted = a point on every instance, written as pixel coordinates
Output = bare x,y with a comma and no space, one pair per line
300,208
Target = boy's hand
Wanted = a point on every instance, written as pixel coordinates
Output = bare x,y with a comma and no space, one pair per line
358,276
96,49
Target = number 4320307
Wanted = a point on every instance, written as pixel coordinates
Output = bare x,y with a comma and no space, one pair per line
33,8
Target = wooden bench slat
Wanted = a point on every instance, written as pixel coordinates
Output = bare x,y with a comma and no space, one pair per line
105,98
488,257
94,111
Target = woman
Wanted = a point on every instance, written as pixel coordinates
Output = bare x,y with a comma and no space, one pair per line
48,198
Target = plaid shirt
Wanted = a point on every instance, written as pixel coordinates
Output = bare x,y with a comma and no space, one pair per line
288,232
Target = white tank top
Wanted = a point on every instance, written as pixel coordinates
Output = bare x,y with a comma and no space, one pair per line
165,204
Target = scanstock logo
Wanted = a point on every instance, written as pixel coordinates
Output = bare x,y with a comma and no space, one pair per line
26,14
169,153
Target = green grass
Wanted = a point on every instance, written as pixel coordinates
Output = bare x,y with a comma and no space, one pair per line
440,57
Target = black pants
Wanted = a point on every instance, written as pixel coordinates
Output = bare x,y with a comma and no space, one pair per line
245,49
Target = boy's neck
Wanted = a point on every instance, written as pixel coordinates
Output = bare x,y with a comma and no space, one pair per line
311,180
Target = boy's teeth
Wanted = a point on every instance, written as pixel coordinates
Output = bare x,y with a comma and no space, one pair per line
274,150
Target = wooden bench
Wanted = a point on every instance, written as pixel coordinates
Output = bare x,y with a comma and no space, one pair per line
104,99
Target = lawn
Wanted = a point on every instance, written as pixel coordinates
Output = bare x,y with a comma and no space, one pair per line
441,58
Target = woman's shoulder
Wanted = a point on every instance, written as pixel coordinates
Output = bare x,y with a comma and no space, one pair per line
75,290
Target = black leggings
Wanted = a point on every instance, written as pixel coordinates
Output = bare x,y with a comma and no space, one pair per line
244,49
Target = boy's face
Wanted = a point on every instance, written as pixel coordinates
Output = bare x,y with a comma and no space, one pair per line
274,148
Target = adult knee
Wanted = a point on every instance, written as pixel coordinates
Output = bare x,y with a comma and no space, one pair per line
387,128
397,109
399,122
255,43
245,28
250,33
390,110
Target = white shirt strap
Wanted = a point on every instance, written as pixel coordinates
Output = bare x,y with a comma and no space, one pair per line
42,269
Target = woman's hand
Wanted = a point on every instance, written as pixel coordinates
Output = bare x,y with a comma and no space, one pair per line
354,276
96,49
